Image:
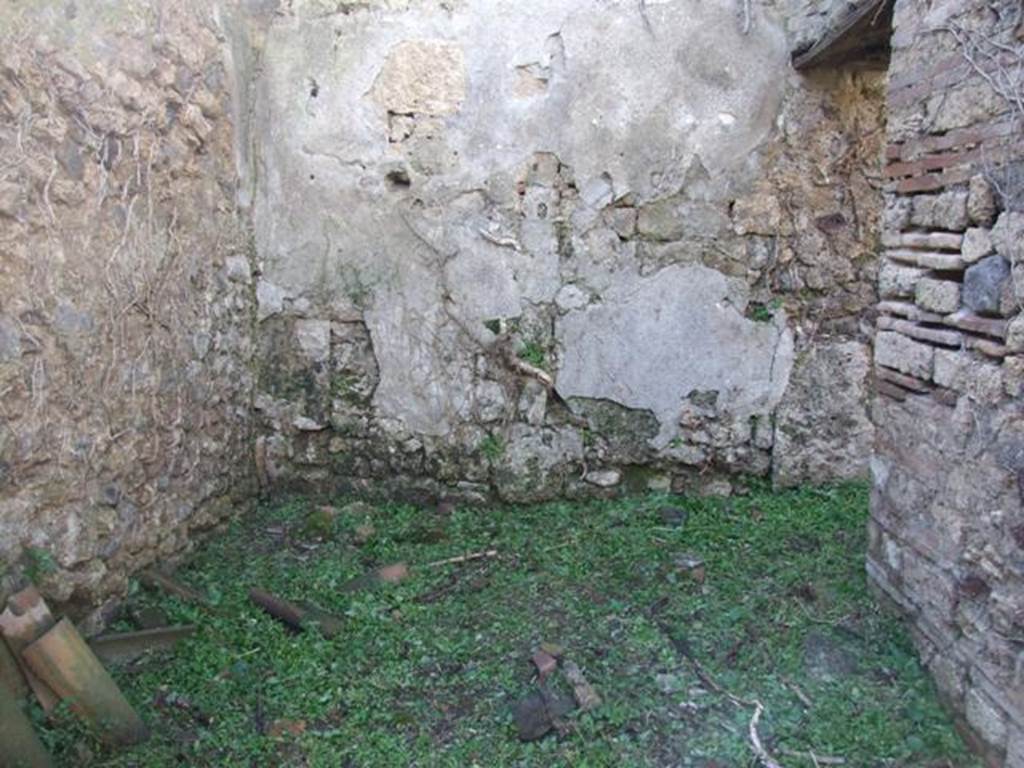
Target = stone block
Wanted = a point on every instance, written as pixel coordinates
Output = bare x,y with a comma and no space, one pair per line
941,296
897,281
314,339
976,245
1008,236
984,284
1013,376
425,77
944,211
894,350
981,201
989,722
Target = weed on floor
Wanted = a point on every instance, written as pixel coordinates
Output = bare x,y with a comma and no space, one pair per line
680,614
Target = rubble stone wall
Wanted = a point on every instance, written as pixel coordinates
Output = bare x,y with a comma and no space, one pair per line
551,248
126,292
947,531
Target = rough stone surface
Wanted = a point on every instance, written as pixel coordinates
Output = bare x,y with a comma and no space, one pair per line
984,284
947,520
977,244
501,195
894,350
125,333
941,296
835,434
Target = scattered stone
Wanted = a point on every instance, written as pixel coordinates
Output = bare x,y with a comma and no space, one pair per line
363,533
586,697
690,565
984,284
829,658
284,727
545,664
393,574
535,715
669,683
674,516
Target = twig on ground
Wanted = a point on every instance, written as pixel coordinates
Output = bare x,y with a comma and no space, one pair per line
804,698
814,757
756,745
755,738
486,554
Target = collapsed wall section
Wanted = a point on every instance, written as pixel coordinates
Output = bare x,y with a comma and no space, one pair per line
126,296
558,248
947,532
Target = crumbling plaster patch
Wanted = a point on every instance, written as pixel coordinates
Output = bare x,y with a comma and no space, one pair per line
351,215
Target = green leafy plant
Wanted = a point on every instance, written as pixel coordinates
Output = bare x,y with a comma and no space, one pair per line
492,447
39,563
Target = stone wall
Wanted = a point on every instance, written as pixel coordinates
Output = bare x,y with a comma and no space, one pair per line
550,247
126,295
947,541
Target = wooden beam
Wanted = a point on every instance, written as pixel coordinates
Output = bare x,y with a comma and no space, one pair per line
859,39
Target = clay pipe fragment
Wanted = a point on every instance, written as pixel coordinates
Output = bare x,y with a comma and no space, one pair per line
297,616
19,745
11,676
128,646
62,659
25,619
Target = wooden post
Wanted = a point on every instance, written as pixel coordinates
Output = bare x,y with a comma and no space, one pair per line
19,745
63,660
24,620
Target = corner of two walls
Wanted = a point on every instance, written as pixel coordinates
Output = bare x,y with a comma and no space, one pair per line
947,530
126,295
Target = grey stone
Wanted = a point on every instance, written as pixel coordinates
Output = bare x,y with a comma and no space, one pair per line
897,281
949,211
894,350
986,718
828,657
984,284
977,244
535,461
237,269
942,296
314,339
10,339
604,478
306,424
669,683
822,425
270,299
571,297
1008,236
981,201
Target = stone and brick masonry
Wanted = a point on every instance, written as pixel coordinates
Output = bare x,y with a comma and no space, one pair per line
947,528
